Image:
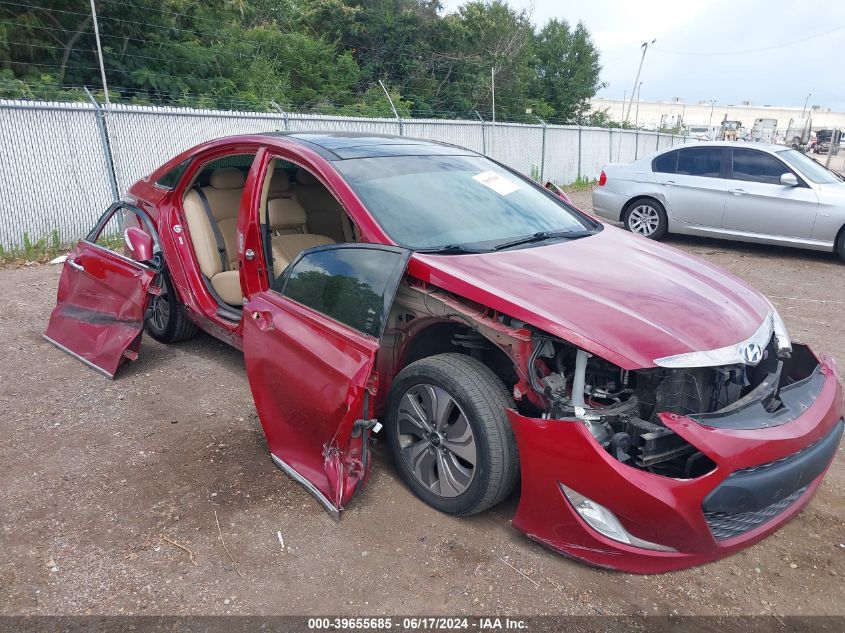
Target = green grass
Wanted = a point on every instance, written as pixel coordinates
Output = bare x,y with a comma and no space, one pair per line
40,250
582,183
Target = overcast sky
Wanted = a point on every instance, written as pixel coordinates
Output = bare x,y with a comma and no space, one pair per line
803,42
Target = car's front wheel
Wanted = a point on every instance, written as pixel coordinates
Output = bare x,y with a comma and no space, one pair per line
840,244
449,434
646,217
166,319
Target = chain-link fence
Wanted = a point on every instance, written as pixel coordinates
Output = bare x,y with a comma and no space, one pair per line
63,163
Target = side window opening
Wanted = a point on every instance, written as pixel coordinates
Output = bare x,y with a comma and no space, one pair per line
111,234
298,212
753,166
666,163
212,205
171,178
700,161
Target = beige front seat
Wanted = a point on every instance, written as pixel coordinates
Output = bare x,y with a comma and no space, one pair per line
224,199
286,214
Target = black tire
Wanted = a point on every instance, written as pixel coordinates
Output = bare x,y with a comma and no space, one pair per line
173,327
642,208
840,244
482,399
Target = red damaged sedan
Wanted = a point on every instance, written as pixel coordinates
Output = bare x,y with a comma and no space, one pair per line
651,407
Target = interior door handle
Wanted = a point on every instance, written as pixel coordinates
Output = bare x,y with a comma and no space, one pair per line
737,192
73,264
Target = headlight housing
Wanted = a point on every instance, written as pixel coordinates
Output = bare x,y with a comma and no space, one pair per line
605,522
782,340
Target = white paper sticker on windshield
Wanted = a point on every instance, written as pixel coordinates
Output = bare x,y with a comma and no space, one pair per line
497,183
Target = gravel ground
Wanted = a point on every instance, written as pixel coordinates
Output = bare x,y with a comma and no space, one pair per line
99,479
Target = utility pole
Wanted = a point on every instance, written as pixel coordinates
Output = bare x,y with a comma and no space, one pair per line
493,91
393,107
644,46
99,50
621,122
805,104
493,96
712,104
637,111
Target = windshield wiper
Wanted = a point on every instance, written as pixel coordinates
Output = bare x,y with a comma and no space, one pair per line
449,249
542,236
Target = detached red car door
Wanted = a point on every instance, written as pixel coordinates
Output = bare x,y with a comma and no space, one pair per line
103,294
310,344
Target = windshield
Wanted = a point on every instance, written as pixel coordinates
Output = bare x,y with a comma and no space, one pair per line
430,202
808,167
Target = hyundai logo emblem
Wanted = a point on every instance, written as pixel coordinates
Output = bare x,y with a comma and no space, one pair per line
751,353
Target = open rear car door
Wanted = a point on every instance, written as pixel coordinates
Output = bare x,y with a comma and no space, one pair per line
310,344
103,292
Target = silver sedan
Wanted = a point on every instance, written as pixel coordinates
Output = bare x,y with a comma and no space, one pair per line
737,191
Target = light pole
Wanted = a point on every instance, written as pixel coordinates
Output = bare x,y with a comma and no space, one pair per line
805,104
493,99
712,104
99,51
637,111
644,47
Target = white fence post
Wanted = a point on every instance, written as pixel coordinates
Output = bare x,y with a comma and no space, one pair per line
104,139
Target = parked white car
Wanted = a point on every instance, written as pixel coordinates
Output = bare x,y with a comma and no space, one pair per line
750,192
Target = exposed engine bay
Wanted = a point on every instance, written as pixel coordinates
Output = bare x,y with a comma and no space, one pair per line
552,378
620,408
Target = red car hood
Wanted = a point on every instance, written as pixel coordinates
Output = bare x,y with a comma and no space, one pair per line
620,296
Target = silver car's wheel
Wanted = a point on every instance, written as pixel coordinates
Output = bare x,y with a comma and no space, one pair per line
643,219
646,217
435,440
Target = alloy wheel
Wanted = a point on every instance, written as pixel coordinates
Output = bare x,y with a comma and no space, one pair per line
643,219
436,441
160,312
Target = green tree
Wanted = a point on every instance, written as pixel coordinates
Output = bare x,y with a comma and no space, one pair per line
319,55
567,69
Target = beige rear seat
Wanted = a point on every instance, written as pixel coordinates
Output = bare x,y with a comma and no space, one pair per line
286,215
224,197
279,185
325,215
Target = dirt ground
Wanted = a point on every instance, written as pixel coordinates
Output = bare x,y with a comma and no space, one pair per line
97,478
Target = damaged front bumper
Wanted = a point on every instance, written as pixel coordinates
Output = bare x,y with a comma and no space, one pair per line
765,473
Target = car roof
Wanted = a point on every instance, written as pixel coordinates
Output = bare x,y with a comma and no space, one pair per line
346,145
771,147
